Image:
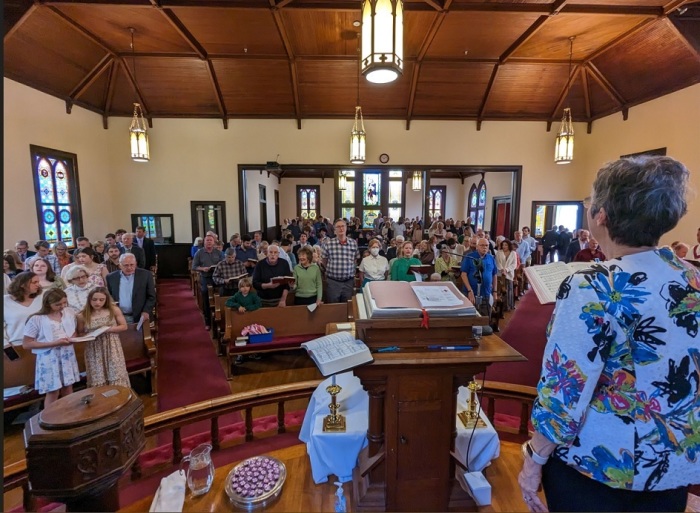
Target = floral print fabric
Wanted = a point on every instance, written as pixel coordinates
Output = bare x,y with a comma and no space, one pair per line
619,388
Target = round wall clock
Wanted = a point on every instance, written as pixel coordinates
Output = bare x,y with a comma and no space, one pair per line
384,158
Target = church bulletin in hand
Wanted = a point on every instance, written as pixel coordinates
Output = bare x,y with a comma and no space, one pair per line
337,352
546,279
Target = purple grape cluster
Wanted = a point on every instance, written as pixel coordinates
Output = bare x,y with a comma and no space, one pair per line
255,477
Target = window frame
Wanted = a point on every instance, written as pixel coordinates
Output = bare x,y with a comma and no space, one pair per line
300,188
71,159
442,189
166,240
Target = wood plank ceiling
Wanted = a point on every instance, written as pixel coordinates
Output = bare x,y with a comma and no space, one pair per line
298,59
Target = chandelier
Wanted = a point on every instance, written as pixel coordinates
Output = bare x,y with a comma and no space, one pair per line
382,40
138,136
564,143
357,136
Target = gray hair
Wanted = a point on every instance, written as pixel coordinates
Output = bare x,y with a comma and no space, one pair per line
230,251
643,197
124,256
73,271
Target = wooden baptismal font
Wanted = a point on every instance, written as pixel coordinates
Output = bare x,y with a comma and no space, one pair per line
79,447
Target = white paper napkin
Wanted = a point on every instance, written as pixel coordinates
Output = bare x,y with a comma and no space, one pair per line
170,495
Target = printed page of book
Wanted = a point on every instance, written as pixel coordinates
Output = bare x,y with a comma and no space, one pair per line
546,279
90,336
436,296
337,352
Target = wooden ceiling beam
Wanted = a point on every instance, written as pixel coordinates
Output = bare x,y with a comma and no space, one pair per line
132,80
283,3
217,92
425,46
531,31
606,85
33,7
487,93
586,96
675,4
279,22
619,39
681,37
565,91
91,77
180,28
76,26
434,5
109,95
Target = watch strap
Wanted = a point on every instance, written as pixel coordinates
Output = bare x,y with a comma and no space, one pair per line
527,448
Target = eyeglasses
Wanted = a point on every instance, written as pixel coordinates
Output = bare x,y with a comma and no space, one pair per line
81,277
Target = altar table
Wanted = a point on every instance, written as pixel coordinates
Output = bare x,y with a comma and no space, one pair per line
337,453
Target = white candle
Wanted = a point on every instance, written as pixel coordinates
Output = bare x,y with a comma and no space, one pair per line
333,380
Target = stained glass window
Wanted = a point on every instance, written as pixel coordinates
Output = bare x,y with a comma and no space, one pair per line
371,189
308,201
348,195
395,190
347,212
368,218
436,206
482,194
56,194
539,220
158,227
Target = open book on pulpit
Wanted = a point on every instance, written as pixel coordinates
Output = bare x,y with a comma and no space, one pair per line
405,300
546,279
337,352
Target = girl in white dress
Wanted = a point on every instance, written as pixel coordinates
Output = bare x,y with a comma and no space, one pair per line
47,334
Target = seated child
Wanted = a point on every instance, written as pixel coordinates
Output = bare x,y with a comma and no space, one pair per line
245,300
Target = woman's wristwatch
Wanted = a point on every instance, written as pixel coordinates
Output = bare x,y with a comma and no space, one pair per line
529,451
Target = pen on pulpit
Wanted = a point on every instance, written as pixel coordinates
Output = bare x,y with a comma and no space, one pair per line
389,349
450,348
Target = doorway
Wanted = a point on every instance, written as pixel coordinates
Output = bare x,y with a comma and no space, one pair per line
500,223
208,216
263,208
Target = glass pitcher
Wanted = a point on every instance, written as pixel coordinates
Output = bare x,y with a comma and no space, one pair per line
200,474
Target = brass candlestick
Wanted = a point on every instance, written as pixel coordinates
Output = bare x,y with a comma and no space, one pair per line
335,422
470,418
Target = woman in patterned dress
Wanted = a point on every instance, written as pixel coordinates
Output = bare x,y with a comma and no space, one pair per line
47,334
617,416
104,358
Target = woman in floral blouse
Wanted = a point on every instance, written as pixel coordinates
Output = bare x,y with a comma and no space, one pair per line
617,418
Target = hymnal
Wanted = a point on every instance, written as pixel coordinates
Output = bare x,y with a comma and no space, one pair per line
239,277
90,336
282,280
421,269
546,279
253,260
337,352
400,299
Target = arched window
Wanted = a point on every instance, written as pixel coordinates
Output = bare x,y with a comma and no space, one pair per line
473,202
57,197
481,210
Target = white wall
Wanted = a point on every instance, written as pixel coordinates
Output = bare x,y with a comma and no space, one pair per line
198,159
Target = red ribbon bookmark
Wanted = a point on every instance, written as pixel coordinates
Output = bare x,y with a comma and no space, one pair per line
425,322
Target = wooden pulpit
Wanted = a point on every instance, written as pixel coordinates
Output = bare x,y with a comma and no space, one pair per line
409,464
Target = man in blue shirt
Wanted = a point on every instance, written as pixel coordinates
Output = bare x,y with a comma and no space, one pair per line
479,273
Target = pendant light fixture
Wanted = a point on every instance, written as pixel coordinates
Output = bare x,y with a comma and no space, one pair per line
564,143
342,181
357,136
138,135
382,40
417,181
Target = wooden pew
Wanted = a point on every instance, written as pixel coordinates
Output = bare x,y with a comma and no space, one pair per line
218,317
140,354
292,326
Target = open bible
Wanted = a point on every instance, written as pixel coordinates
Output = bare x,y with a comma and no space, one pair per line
404,300
337,352
91,335
546,279
234,279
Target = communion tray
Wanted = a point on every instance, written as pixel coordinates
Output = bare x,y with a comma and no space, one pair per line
256,482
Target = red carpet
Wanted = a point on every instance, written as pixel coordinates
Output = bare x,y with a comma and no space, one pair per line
188,367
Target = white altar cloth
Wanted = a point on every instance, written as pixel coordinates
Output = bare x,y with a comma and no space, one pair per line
337,453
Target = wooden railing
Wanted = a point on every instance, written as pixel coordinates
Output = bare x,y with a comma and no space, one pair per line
15,475
525,395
